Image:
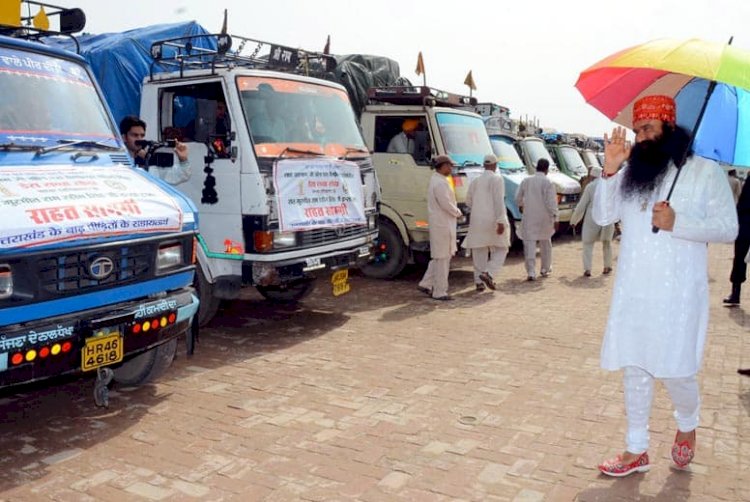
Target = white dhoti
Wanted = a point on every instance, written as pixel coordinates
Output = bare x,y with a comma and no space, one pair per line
529,252
436,276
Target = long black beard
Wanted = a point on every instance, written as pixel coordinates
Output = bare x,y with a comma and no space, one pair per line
650,159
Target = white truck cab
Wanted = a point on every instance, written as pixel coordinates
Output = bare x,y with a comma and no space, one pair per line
282,179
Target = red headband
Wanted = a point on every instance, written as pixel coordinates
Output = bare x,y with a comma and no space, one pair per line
654,107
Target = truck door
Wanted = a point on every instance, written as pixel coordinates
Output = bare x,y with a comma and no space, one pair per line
402,153
198,115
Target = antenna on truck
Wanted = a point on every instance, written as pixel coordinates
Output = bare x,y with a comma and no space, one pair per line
36,25
212,51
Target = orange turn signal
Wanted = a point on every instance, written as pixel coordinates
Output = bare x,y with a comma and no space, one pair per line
262,241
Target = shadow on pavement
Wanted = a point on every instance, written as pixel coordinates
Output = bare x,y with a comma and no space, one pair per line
676,488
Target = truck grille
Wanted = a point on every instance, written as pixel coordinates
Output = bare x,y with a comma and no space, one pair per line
325,235
70,272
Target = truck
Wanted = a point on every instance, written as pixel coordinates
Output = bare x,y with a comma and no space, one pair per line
282,179
566,155
96,258
441,127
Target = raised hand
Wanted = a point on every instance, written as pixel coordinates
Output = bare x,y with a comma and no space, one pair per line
616,150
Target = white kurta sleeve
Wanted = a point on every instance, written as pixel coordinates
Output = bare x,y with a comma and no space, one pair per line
446,200
176,174
606,207
470,193
520,192
583,204
550,200
718,222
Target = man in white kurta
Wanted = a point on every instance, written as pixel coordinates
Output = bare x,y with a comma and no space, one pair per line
488,235
659,312
537,198
591,232
442,215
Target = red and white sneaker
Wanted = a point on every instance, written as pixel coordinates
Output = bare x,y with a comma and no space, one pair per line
616,468
682,452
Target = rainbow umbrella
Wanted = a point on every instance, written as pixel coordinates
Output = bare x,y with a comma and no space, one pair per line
689,71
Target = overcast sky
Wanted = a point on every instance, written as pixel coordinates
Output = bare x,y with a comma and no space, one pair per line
524,54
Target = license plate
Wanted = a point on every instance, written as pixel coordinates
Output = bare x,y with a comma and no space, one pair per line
101,351
340,282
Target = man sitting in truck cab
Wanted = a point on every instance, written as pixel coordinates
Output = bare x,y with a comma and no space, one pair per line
403,142
133,131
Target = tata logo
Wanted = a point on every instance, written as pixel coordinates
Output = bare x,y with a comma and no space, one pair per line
340,231
101,268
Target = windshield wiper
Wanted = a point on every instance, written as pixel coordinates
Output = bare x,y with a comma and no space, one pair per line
470,163
76,143
15,146
350,149
297,150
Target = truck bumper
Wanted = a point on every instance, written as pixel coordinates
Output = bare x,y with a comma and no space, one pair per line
284,271
56,346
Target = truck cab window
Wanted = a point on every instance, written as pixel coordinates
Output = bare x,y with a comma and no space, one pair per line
404,134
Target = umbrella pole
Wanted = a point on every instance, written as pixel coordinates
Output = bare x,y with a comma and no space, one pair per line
710,91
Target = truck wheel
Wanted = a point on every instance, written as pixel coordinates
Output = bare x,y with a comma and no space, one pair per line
209,304
390,253
146,366
287,293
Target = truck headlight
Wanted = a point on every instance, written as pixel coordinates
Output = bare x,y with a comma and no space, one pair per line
6,282
169,255
284,239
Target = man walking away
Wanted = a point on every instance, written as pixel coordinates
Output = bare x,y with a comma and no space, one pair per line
442,215
488,236
537,199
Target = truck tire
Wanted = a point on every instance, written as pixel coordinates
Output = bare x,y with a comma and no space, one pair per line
390,253
146,366
288,293
209,304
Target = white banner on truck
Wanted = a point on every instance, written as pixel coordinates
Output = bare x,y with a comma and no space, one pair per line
48,204
318,193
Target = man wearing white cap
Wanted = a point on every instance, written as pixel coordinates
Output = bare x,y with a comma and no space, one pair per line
591,232
488,235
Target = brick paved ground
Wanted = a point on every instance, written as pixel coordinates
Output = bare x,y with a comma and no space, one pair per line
386,395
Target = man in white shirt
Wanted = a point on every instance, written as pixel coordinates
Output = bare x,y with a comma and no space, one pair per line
403,142
133,131
658,317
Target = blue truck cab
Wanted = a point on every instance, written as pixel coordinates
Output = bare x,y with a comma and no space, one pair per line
96,257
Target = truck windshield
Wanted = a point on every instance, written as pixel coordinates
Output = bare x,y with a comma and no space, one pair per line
573,160
46,99
507,156
464,136
283,114
536,151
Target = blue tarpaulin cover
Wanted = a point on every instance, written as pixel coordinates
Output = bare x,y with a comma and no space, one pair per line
122,60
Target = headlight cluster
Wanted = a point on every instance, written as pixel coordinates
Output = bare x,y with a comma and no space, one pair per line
169,255
265,241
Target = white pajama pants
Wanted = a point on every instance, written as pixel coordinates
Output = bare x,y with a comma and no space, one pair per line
529,252
436,276
639,393
588,254
488,259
